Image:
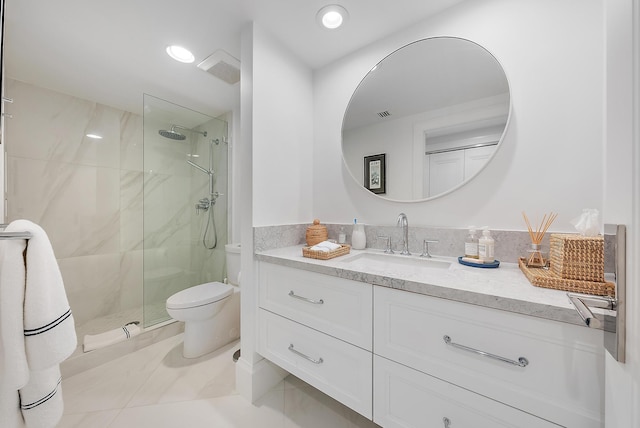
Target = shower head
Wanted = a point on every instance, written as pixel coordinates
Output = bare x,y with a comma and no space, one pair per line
173,135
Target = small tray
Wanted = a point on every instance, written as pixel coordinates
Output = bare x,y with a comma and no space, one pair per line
325,255
491,265
549,279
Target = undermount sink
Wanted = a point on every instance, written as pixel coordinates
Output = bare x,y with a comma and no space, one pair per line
379,261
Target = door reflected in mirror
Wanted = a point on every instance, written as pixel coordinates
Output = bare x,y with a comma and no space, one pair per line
438,108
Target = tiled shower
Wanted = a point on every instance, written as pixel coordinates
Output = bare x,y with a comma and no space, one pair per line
177,254
119,211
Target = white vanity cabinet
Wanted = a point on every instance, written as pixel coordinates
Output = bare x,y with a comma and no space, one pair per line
548,369
383,353
339,307
319,328
405,398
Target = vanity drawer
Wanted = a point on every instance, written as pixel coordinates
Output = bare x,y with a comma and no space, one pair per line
406,398
336,306
562,382
338,369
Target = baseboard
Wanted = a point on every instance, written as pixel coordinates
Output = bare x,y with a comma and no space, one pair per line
253,381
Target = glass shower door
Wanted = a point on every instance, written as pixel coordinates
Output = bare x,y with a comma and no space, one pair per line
184,203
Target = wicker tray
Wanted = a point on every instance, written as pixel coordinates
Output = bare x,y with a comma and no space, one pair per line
326,255
548,279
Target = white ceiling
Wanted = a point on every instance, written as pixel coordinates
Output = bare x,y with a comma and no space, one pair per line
113,51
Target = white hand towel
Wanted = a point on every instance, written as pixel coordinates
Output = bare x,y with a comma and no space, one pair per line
97,341
10,414
41,399
325,246
49,330
37,331
14,370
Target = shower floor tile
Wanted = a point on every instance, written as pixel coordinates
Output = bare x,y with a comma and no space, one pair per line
156,387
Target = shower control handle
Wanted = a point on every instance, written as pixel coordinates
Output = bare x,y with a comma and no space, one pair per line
203,204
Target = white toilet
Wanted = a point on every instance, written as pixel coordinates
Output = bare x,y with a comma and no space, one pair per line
211,311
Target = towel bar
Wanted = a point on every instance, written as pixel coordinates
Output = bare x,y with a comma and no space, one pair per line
13,235
614,318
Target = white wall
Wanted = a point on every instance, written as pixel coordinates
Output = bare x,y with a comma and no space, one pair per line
552,53
234,221
622,194
2,146
282,134
2,153
274,169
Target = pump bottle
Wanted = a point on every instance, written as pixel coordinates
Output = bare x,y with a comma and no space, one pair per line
486,247
471,244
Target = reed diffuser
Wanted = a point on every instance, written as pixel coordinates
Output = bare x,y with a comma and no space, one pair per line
535,258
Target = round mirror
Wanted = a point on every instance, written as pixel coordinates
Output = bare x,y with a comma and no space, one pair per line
426,119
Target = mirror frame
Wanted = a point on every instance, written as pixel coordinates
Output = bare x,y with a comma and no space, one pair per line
464,182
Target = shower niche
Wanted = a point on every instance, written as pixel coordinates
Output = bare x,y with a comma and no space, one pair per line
184,204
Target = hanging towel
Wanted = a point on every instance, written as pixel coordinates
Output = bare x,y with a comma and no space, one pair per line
41,399
37,330
97,341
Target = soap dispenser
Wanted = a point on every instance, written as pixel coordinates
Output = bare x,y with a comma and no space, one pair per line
358,237
486,247
342,237
471,244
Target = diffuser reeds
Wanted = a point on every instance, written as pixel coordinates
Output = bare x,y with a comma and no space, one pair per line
535,258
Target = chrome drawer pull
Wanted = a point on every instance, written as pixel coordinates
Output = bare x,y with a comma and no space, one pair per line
522,361
315,302
306,357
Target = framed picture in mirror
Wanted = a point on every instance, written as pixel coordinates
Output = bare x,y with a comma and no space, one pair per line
375,178
469,84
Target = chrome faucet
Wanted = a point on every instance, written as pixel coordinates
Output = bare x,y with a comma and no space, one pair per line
402,221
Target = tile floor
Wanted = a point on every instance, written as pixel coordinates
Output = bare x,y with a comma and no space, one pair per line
156,387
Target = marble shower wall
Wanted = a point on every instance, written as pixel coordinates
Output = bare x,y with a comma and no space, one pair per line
86,194
210,263
174,256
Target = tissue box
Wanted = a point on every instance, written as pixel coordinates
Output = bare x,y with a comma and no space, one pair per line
578,257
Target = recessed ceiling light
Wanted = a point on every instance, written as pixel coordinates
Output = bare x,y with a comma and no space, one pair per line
332,16
180,54
95,136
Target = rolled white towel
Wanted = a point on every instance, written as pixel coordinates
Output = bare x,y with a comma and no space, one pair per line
97,341
325,246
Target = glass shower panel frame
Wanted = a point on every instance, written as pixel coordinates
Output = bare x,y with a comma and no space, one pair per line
177,187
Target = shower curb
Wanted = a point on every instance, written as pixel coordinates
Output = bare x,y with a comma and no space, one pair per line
82,361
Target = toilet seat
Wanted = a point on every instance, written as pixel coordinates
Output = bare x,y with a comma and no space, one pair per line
199,295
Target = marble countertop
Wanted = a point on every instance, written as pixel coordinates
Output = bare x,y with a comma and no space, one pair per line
505,288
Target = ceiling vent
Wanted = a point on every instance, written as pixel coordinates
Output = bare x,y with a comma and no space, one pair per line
222,65
384,114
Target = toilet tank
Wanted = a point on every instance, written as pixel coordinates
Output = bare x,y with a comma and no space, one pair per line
233,263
